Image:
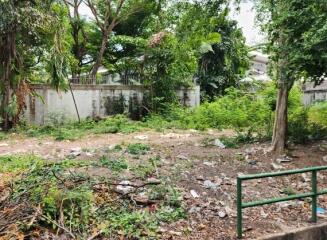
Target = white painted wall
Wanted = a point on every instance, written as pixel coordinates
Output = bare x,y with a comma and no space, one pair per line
90,101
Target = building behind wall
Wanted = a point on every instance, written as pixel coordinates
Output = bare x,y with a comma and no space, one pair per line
314,93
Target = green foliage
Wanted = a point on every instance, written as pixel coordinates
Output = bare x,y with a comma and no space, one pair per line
147,169
137,148
70,130
17,163
318,114
72,200
115,165
295,46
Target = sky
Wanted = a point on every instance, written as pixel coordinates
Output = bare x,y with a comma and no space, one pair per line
245,18
246,21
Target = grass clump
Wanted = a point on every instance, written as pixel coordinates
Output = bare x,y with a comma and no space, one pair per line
16,163
115,165
138,148
74,130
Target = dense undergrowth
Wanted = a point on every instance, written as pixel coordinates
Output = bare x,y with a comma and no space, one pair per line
249,113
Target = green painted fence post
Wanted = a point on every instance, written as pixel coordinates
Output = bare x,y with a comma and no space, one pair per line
239,208
314,197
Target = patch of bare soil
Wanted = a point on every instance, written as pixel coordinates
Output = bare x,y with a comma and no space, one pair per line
206,176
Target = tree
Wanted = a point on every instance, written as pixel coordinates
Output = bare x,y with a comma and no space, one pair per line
79,36
108,14
28,30
221,63
297,31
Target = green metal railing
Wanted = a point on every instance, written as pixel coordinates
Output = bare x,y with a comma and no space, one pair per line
313,194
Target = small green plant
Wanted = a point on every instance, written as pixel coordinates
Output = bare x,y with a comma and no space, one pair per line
147,169
288,191
137,148
115,165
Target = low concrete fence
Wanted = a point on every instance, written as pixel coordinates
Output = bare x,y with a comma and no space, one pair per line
312,93
93,101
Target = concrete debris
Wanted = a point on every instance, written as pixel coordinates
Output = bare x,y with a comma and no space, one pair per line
283,159
194,194
125,187
209,164
4,144
210,185
182,157
75,152
142,137
175,135
276,166
305,178
219,143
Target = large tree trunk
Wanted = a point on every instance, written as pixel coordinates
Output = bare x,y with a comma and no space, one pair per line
280,127
98,62
8,51
105,37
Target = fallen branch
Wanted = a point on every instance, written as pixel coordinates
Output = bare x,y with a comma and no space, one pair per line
59,226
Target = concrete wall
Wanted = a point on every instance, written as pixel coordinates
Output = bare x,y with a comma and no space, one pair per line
312,93
91,101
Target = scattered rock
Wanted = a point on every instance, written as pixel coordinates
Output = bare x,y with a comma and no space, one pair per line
175,233
194,194
175,135
305,178
222,214
283,159
219,143
193,131
263,214
276,166
209,164
89,154
194,210
4,144
324,158
125,187
75,152
182,157
210,185
200,178
143,200
153,181
141,137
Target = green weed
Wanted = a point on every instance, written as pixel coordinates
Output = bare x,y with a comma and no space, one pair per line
115,165
137,148
15,163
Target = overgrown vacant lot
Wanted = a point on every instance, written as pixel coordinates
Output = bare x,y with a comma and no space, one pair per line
146,185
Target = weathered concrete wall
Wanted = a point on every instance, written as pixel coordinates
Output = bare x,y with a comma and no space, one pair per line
92,101
313,93
317,232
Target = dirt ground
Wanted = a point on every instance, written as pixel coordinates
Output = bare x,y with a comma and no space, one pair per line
206,176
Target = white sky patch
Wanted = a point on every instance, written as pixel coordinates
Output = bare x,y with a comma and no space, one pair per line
246,20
